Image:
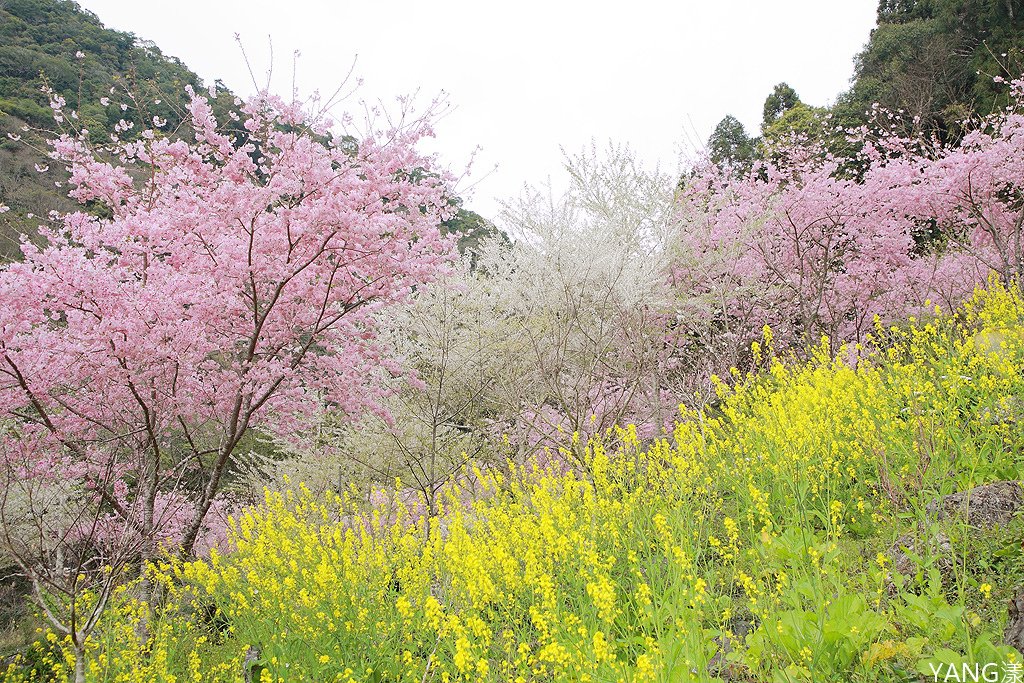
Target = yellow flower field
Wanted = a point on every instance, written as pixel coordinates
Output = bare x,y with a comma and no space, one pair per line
755,543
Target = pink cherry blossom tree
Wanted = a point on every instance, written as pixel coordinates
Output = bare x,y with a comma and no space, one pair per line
217,284
974,192
799,245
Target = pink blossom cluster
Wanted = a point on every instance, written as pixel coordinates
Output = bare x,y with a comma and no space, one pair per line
810,246
214,284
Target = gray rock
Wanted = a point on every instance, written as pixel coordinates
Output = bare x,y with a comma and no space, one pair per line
1014,634
983,506
251,667
938,548
718,666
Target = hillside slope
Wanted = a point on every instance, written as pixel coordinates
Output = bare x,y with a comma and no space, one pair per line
57,44
60,45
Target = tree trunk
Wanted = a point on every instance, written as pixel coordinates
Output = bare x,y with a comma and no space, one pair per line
430,498
79,663
146,551
146,599
659,417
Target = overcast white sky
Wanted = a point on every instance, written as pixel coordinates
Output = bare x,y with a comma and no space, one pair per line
529,77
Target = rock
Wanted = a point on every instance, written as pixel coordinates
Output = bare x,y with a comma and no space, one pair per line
984,506
1014,634
718,666
251,667
940,550
1005,412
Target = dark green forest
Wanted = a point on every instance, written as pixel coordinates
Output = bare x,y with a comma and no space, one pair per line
935,61
57,44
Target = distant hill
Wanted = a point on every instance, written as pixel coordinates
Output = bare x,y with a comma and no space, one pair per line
60,45
937,62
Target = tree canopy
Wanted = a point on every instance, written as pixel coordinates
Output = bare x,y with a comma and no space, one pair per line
936,60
